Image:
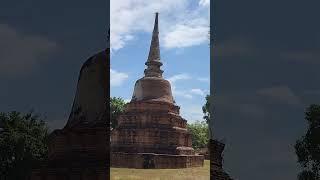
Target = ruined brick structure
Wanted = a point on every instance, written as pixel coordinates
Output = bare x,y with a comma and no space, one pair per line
216,160
79,151
150,132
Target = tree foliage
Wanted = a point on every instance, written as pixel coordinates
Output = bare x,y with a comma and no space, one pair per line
308,147
199,133
116,108
22,143
206,109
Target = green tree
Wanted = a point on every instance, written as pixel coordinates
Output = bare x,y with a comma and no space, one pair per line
308,147
116,108
206,109
23,142
199,133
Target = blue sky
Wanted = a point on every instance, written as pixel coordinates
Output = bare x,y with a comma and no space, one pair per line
184,48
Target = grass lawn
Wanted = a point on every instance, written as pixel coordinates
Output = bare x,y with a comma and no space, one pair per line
199,173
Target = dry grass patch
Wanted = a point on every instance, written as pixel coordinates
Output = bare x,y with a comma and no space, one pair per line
198,173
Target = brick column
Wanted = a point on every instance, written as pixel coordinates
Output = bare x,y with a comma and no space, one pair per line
216,160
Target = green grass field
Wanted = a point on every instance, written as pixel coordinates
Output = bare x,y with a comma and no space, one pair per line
199,173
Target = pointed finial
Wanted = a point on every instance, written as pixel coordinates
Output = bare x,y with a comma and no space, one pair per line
154,53
153,62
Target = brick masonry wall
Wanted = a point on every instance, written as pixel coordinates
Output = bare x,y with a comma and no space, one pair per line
216,159
155,161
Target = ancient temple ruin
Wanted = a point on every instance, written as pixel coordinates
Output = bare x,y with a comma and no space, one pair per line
216,160
80,149
150,132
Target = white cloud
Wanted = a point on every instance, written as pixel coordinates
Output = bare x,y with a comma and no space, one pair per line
175,19
204,2
117,78
236,47
198,92
180,93
177,77
312,92
185,35
203,79
20,53
192,113
302,56
281,94
175,91
183,92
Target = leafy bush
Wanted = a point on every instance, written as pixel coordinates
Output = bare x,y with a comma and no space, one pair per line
200,134
23,142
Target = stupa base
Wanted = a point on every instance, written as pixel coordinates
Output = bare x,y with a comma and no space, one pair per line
75,154
70,173
154,161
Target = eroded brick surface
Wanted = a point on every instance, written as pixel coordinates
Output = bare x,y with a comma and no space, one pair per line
151,133
156,128
80,149
216,160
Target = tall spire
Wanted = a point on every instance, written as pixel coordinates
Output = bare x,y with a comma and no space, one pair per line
153,62
154,53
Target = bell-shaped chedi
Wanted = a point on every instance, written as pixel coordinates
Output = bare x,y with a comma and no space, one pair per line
80,149
152,87
89,106
150,132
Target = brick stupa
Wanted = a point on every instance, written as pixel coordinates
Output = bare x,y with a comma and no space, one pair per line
79,151
150,132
